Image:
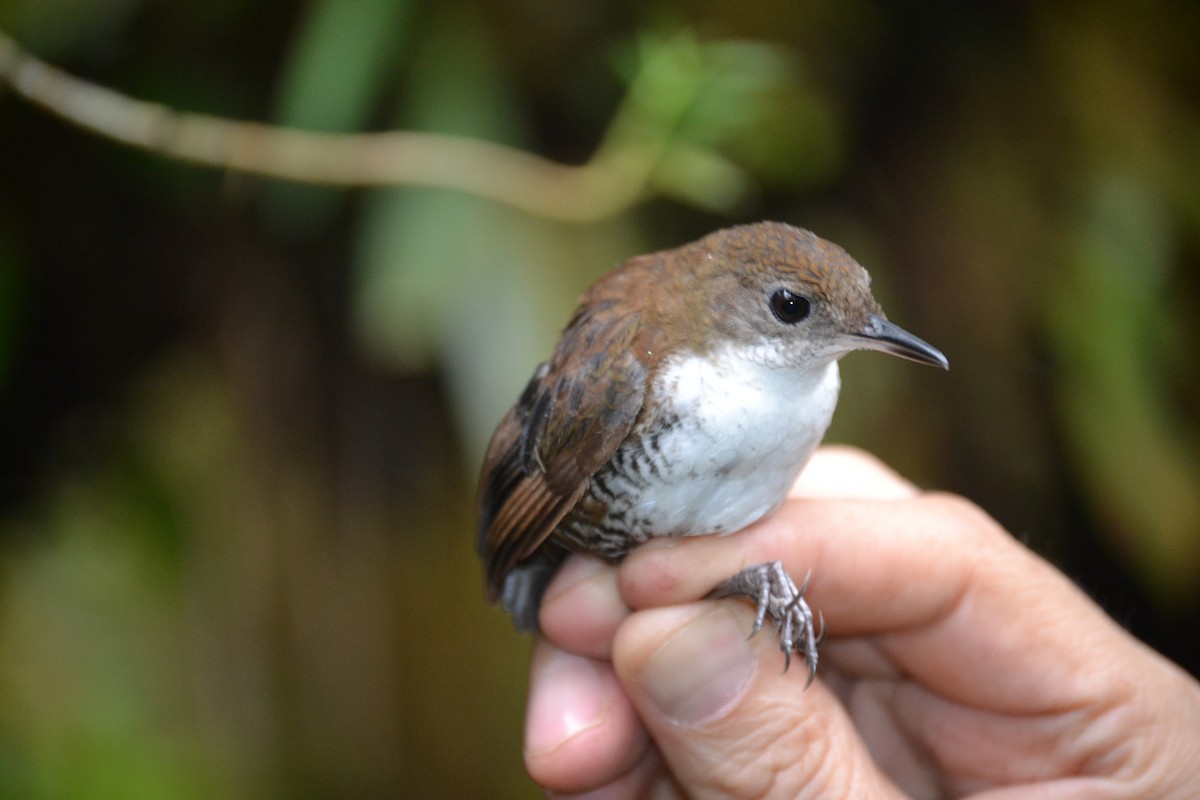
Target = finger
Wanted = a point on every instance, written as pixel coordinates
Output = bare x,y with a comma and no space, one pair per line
646,779
725,718
944,592
837,471
580,730
582,608
876,565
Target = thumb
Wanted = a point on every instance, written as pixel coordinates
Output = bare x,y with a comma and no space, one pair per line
727,721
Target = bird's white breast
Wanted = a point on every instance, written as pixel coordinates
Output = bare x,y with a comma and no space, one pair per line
746,428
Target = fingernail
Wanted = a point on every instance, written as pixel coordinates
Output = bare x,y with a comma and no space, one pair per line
702,669
569,698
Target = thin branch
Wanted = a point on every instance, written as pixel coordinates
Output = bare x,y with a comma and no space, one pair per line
614,179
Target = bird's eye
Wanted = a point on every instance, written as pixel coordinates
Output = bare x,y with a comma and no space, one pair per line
789,308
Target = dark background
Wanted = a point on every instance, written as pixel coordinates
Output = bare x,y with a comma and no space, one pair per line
240,420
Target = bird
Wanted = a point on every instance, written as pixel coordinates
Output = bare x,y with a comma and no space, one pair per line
683,398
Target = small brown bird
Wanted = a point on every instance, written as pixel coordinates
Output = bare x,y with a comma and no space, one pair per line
683,398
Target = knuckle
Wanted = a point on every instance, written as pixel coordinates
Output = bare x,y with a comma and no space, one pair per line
963,516
775,758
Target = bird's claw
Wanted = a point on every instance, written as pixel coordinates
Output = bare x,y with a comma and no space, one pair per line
775,594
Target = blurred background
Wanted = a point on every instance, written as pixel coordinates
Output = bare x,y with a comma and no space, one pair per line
240,419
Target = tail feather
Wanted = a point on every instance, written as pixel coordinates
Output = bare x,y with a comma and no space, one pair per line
525,584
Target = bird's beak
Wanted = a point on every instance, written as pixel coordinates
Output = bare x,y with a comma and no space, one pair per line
879,334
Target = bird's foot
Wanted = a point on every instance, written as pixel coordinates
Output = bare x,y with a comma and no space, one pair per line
776,594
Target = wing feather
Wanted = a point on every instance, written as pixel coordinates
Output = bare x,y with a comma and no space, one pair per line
575,412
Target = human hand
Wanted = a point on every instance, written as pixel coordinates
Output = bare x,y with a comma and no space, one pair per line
958,663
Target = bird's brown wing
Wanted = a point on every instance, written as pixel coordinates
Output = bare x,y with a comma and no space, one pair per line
569,421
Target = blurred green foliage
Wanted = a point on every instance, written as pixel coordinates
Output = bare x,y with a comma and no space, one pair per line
241,419
320,89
